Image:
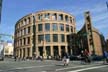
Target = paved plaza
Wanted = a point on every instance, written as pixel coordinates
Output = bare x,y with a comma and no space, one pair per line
9,65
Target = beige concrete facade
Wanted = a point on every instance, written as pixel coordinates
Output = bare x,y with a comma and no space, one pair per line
43,33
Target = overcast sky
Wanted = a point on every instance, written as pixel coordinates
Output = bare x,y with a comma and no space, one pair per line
13,10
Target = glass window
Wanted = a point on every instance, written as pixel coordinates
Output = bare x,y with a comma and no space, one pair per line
24,31
21,33
71,19
67,28
28,20
62,38
71,29
22,23
47,16
54,16
24,39
28,29
28,40
48,50
40,27
47,37
40,38
55,38
61,27
60,17
25,21
54,27
66,18
40,17
47,27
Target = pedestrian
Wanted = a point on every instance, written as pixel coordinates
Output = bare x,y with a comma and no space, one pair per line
105,56
82,57
15,57
66,59
87,56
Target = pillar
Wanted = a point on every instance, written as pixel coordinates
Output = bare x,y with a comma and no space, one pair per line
59,48
52,54
66,48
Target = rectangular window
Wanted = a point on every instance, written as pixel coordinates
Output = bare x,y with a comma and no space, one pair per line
48,51
70,19
60,17
28,30
67,28
54,17
61,27
39,17
24,39
40,38
62,38
40,27
47,16
66,18
47,37
21,33
24,31
54,27
28,40
55,38
28,20
47,27
71,29
25,22
21,42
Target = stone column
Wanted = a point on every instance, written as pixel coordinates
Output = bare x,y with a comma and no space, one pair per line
19,52
51,50
66,48
30,52
22,53
26,52
44,49
59,50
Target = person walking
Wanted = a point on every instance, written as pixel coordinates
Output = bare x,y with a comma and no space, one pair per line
105,56
65,59
82,57
87,56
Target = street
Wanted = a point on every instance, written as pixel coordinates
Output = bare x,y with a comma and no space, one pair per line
50,66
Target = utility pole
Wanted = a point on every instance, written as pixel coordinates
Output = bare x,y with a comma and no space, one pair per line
0,9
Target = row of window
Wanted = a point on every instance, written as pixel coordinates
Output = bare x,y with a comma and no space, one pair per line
24,41
27,51
54,27
23,31
47,16
42,38
24,22
55,16
55,37
23,52
47,27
